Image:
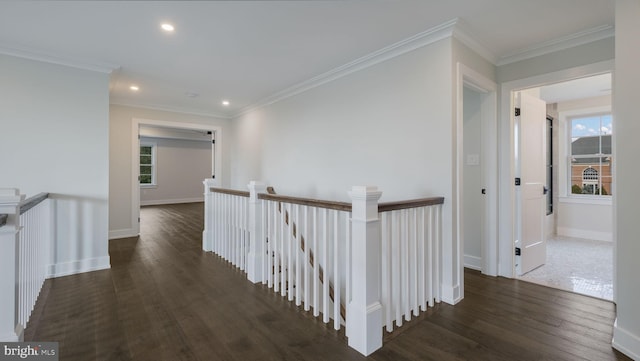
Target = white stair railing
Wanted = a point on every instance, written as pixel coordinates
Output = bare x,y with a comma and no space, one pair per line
227,224
383,261
25,242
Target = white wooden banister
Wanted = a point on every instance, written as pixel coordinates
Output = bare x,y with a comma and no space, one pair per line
25,242
381,260
9,237
257,252
364,312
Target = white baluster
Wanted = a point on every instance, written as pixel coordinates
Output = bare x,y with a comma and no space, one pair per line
336,274
316,266
325,265
297,250
307,260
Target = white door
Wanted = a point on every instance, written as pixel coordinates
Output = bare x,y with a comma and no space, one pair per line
532,134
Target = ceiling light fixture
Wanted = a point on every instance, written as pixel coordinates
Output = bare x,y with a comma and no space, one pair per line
135,88
225,103
167,27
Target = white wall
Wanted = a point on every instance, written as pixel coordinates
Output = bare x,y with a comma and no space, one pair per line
626,333
472,178
388,125
580,217
181,165
120,159
54,137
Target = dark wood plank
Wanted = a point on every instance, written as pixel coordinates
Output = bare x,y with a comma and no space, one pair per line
165,299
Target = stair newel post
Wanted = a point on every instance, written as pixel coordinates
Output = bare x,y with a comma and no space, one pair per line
207,234
364,312
257,237
9,238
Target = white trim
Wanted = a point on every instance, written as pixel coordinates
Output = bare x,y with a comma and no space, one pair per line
84,64
565,42
473,262
414,42
451,294
171,201
135,163
461,32
626,342
164,108
9,337
122,233
583,233
506,205
81,266
595,200
466,76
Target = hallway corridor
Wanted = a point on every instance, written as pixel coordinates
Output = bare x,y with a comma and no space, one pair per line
165,299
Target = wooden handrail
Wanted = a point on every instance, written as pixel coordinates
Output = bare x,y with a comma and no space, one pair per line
412,203
339,206
230,191
31,202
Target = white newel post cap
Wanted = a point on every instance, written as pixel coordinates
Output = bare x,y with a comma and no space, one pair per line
256,187
10,195
365,201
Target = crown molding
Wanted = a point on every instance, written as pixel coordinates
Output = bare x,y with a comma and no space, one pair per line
84,64
414,42
461,32
562,43
164,108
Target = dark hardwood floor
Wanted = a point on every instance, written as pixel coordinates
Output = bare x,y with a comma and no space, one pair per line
165,299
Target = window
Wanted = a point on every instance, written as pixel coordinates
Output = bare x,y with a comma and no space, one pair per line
591,162
147,164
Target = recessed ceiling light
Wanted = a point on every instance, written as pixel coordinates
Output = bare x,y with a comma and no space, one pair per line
225,103
135,88
167,27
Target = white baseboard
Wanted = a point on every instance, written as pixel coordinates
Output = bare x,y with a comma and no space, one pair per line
122,233
473,262
85,265
158,202
451,294
9,337
626,342
586,234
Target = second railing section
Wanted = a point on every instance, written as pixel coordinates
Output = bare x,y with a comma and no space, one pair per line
362,265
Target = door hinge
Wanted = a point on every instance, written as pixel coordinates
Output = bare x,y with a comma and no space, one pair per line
138,219
213,141
517,251
517,181
517,112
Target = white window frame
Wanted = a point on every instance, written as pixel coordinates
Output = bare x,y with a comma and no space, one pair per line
154,163
564,175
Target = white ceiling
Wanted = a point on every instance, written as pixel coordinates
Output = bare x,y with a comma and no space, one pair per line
246,51
581,88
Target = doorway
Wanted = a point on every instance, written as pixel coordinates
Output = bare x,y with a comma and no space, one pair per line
476,167
160,129
578,218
